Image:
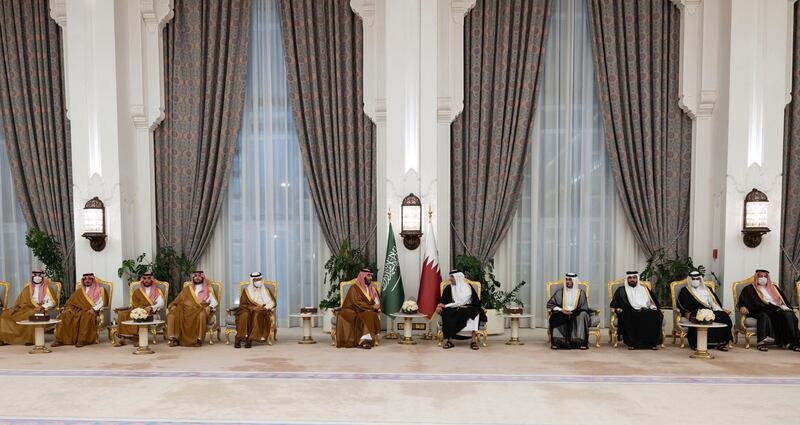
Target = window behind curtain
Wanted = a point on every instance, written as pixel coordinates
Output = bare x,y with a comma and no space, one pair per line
569,218
268,223
15,257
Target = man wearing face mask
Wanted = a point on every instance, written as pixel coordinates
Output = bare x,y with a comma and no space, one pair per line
188,314
35,297
697,296
146,296
254,314
776,322
639,318
79,318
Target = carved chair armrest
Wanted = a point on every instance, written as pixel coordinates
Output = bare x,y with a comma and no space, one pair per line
741,321
232,310
120,309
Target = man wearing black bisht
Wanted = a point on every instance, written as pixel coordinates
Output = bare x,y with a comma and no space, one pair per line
639,316
461,311
696,296
776,322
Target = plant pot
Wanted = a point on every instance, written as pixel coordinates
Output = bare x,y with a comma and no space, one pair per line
495,323
327,315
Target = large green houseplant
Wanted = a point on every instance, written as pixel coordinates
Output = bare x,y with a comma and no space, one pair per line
493,299
167,266
343,265
661,270
48,251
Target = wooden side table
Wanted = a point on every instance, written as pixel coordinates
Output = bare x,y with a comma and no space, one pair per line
408,324
515,327
144,330
306,327
701,351
38,335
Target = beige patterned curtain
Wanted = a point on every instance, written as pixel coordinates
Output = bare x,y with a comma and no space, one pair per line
790,240
34,120
205,71
503,45
649,138
323,43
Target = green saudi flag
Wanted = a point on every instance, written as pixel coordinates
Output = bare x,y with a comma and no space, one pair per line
392,296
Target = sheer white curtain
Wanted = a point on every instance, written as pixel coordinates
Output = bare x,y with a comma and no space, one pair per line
15,257
268,223
569,218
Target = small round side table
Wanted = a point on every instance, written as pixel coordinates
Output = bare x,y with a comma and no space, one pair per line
515,327
144,330
701,352
306,327
408,324
38,335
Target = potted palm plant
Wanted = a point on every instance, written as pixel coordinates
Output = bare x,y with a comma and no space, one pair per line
661,271
493,299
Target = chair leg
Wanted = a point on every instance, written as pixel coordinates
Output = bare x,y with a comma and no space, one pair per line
683,338
333,337
439,337
747,336
615,339
485,335
597,339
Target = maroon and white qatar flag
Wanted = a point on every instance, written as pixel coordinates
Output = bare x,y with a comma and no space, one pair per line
431,277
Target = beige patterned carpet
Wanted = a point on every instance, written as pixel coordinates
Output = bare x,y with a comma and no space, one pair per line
319,384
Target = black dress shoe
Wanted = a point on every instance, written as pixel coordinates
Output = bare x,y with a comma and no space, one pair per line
248,344
237,343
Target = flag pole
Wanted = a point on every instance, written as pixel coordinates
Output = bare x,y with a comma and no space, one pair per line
391,333
428,336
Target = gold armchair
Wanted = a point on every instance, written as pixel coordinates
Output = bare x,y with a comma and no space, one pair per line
594,328
213,323
678,330
613,332
742,323
483,333
55,292
155,329
797,287
343,288
272,287
5,287
104,322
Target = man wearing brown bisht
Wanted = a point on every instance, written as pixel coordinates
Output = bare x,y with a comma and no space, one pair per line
253,317
35,297
359,321
79,318
188,314
146,296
